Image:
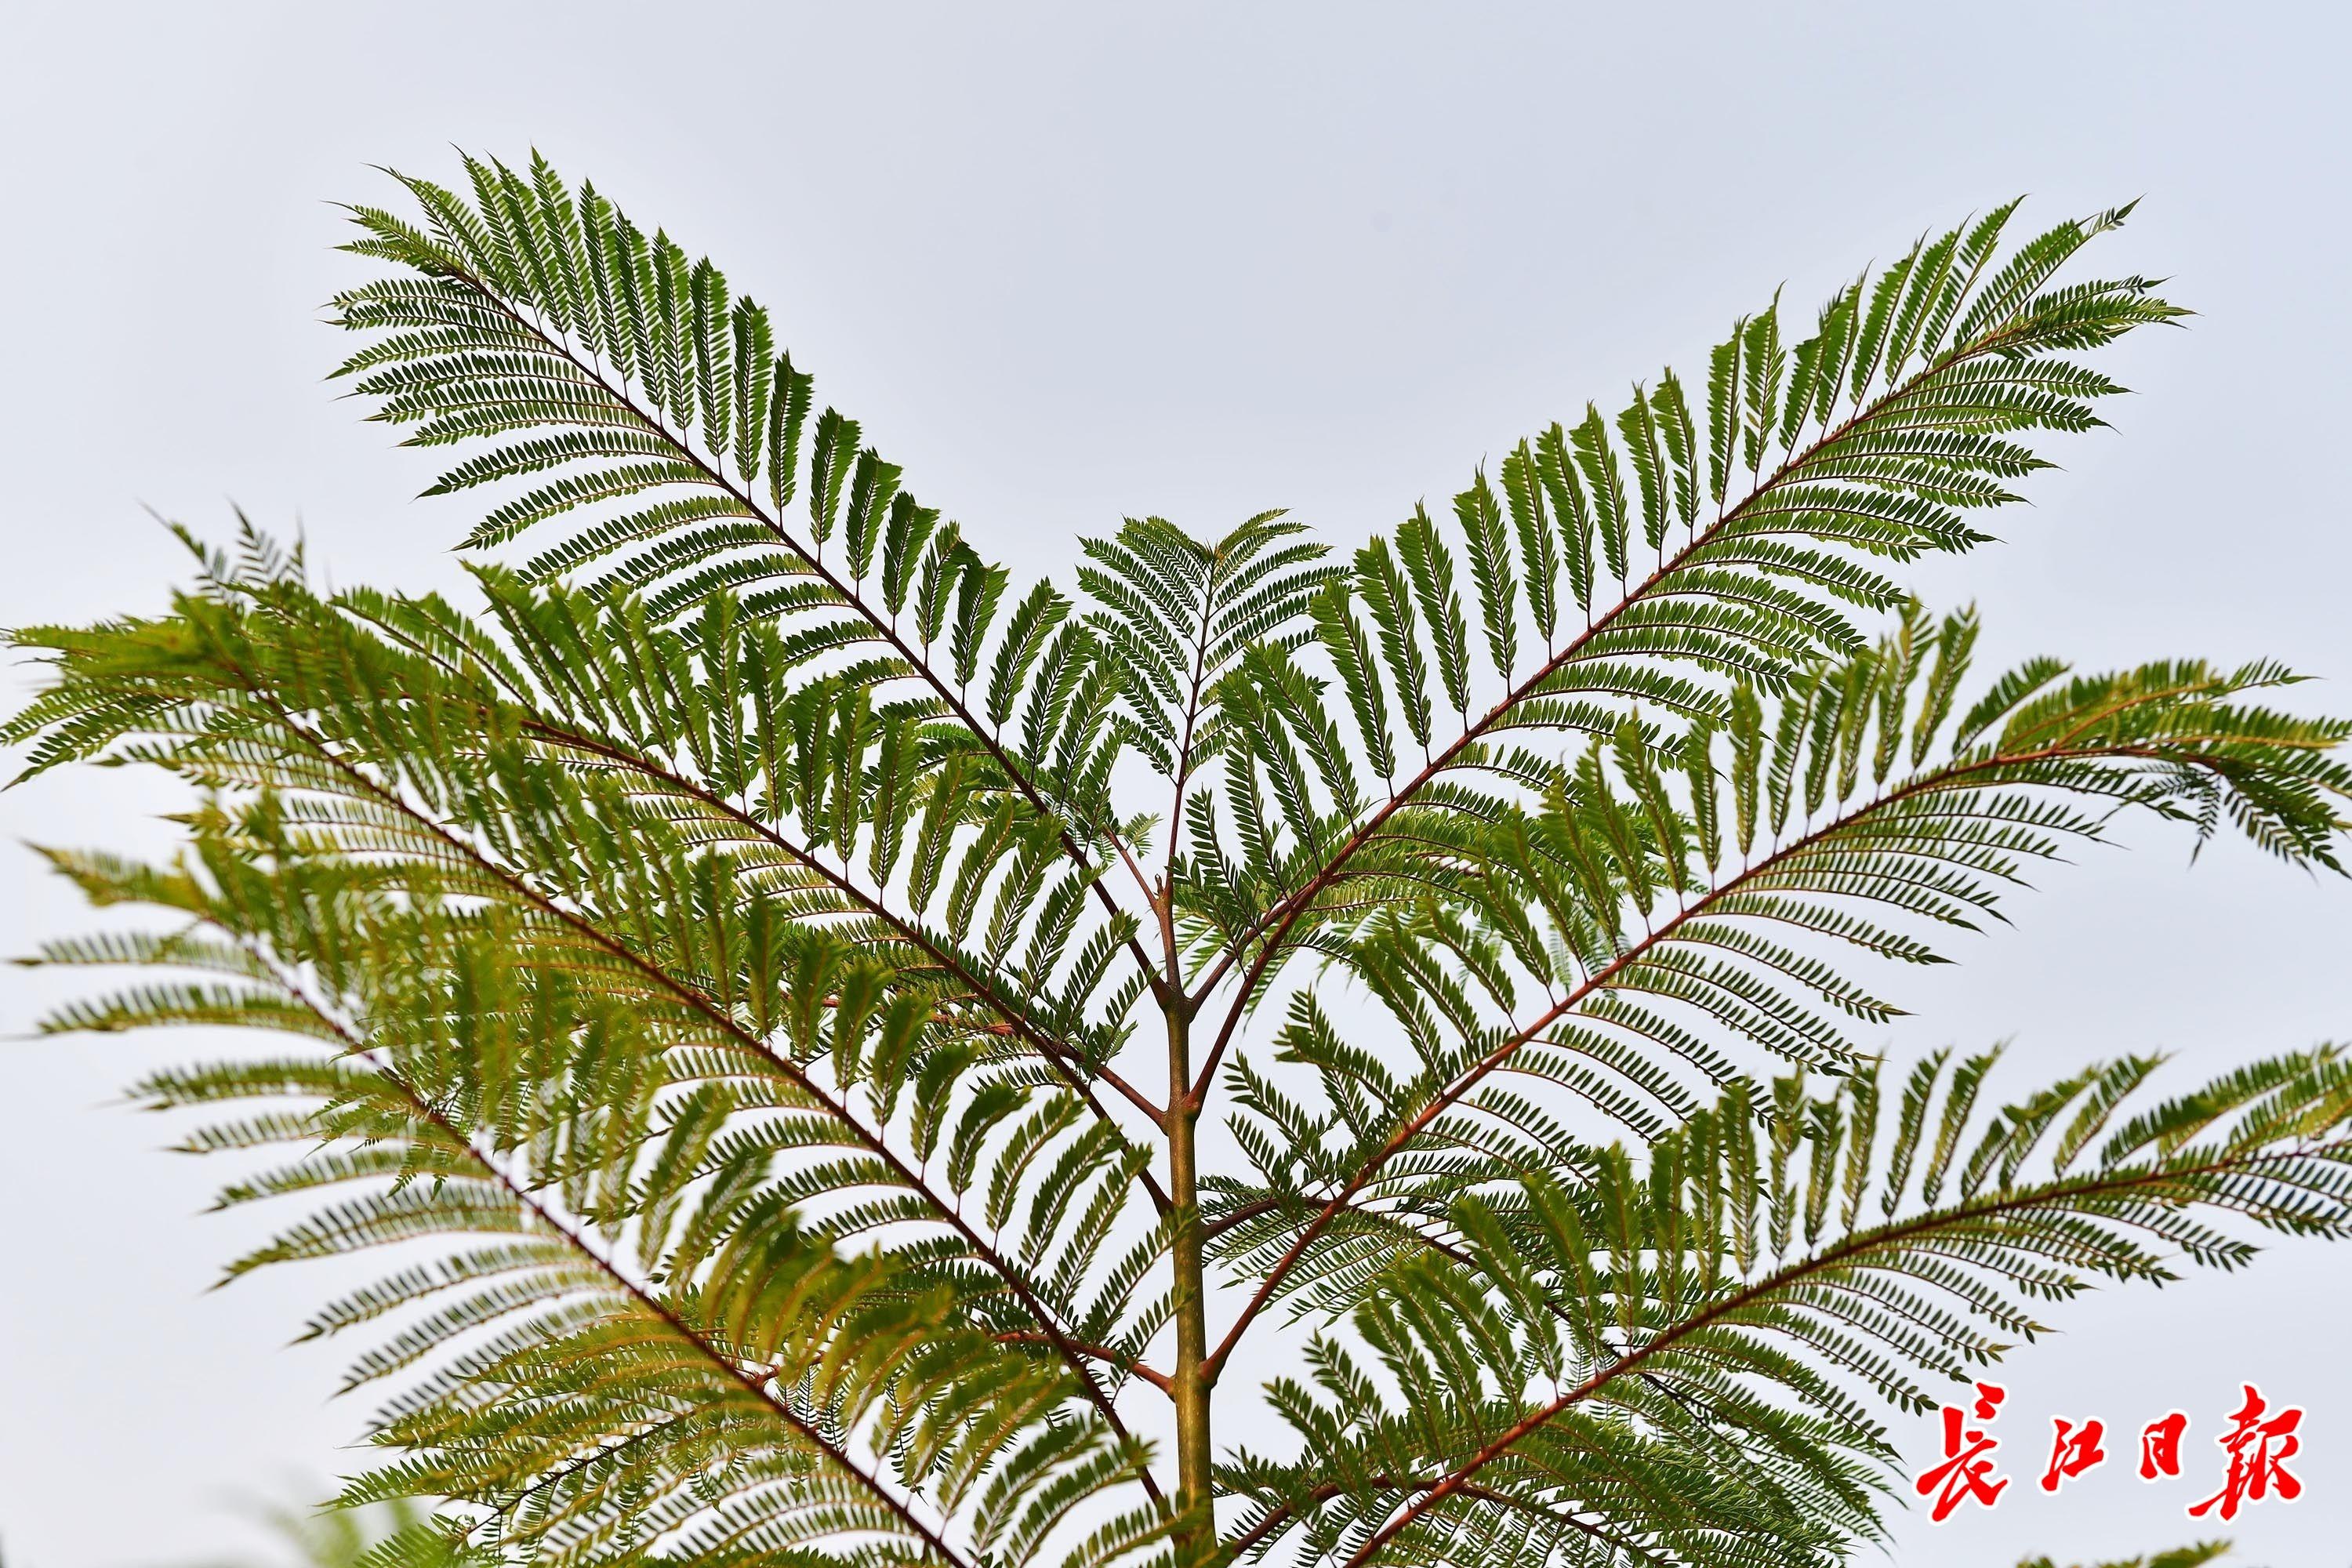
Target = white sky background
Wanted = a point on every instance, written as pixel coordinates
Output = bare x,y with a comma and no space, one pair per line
1067,267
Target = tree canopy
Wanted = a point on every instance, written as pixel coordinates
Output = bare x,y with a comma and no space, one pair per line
841,1046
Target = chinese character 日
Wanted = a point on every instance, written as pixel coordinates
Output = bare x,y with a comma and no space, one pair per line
2159,1446
2259,1450
1967,1472
2070,1455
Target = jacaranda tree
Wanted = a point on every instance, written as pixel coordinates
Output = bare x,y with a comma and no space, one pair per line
850,1044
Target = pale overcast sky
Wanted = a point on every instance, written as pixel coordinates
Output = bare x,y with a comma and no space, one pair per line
1069,263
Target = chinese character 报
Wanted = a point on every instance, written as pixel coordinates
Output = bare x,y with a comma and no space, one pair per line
2259,1450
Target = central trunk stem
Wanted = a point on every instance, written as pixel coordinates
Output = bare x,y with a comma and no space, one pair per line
1190,1381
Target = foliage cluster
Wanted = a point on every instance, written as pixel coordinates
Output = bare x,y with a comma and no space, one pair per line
767,973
